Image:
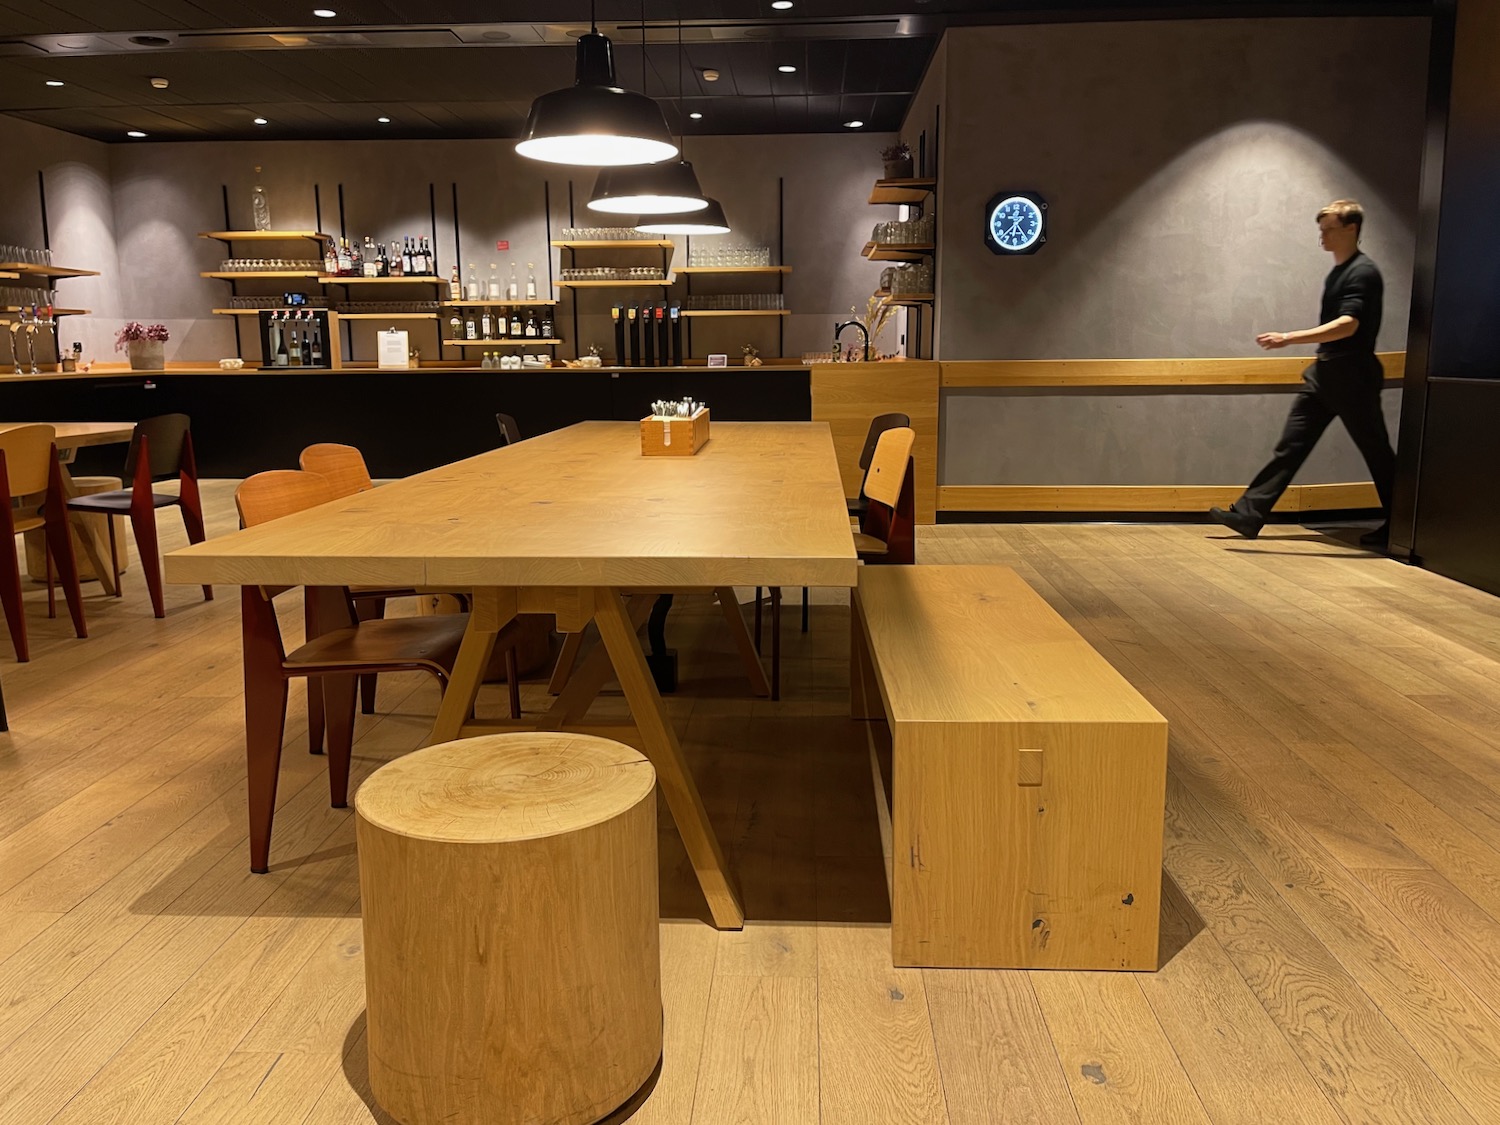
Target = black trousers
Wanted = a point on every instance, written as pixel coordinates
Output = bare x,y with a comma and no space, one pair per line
1344,388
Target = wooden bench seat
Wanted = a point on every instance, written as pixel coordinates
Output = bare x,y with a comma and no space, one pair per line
1027,777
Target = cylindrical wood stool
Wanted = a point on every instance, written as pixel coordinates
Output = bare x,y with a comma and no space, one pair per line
512,971
36,559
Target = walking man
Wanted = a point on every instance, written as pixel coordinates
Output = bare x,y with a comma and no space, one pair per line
1344,381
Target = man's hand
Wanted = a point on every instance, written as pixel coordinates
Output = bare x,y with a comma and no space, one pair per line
1272,340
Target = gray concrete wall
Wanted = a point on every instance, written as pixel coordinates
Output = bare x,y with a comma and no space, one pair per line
166,193
80,215
1183,162
1104,435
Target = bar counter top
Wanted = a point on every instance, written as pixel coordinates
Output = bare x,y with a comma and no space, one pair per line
444,369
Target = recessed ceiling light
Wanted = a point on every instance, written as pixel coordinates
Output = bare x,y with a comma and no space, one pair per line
135,133
696,116
261,121
781,5
53,82
787,68
854,124
324,13
383,120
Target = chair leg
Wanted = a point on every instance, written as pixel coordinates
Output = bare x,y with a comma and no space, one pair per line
60,541
775,643
51,585
114,556
143,522
369,609
757,619
513,682
10,596
190,502
338,693
265,720
367,684
315,715
804,609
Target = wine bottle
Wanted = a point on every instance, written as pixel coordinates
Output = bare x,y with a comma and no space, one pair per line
516,331
282,355
530,281
317,345
456,325
294,356
487,323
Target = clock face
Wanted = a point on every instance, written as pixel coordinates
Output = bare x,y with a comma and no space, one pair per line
1015,223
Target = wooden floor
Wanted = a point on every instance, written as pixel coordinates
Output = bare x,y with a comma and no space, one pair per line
1331,946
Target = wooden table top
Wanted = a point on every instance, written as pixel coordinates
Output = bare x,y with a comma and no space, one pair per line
760,504
74,435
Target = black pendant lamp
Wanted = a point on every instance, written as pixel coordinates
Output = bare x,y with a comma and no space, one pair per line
708,220
594,121
655,189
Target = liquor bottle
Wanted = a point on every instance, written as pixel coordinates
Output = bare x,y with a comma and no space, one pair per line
455,325
546,328
530,282
260,206
474,293
455,286
494,286
371,255
531,326
331,258
282,355
516,331
423,263
294,355
399,260
345,259
488,362
471,330
487,323
513,290
317,345
382,262
407,264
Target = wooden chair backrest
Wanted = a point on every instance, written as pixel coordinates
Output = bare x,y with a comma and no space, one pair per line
268,496
878,425
28,457
343,465
510,433
888,466
165,438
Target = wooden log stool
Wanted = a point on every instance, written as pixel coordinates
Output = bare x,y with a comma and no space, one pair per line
36,559
512,966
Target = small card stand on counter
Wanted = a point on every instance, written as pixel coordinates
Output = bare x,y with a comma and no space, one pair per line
674,437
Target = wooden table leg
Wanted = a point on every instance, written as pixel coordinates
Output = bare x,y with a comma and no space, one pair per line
754,671
490,610
586,681
662,747
94,545
572,643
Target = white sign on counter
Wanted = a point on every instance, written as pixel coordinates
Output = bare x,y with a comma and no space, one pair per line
394,349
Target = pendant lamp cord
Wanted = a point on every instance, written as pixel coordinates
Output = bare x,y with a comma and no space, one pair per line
681,117
593,23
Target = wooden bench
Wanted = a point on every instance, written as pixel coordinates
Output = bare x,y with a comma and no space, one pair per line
1026,780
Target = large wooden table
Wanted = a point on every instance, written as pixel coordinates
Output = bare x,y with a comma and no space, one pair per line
71,437
570,523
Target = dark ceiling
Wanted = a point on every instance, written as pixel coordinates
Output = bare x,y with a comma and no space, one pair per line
469,68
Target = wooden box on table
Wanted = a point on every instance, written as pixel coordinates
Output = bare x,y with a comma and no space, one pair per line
674,437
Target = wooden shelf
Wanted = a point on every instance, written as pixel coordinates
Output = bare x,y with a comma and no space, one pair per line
235,274
733,269
7,275
897,252
277,309
491,304
414,279
903,191
735,312
507,342
55,312
607,284
387,316
26,270
265,235
906,298
632,243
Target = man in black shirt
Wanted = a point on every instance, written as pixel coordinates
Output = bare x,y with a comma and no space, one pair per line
1343,382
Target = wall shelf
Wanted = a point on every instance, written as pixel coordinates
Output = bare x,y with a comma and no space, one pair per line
278,309
414,279
906,298
266,235
25,269
735,312
508,341
623,243
732,269
6,275
235,275
897,252
386,316
55,312
482,304
912,190
609,284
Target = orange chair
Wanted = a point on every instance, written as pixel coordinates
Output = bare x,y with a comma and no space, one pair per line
338,650
28,468
160,448
887,529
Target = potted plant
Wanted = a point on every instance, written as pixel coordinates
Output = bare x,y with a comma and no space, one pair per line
897,161
751,354
143,344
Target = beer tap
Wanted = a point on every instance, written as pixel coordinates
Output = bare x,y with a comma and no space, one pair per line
31,327
15,356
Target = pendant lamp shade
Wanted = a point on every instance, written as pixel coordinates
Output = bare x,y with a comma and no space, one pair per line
652,189
594,121
709,220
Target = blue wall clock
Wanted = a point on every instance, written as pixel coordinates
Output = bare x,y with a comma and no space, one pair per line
1015,222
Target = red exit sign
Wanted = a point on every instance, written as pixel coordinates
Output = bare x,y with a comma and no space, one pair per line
502,244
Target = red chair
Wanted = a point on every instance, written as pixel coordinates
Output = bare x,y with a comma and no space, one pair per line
29,468
160,448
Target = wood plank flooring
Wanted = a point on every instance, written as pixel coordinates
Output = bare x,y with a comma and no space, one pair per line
1331,918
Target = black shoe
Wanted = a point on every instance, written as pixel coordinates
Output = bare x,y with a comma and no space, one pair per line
1379,539
1233,520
